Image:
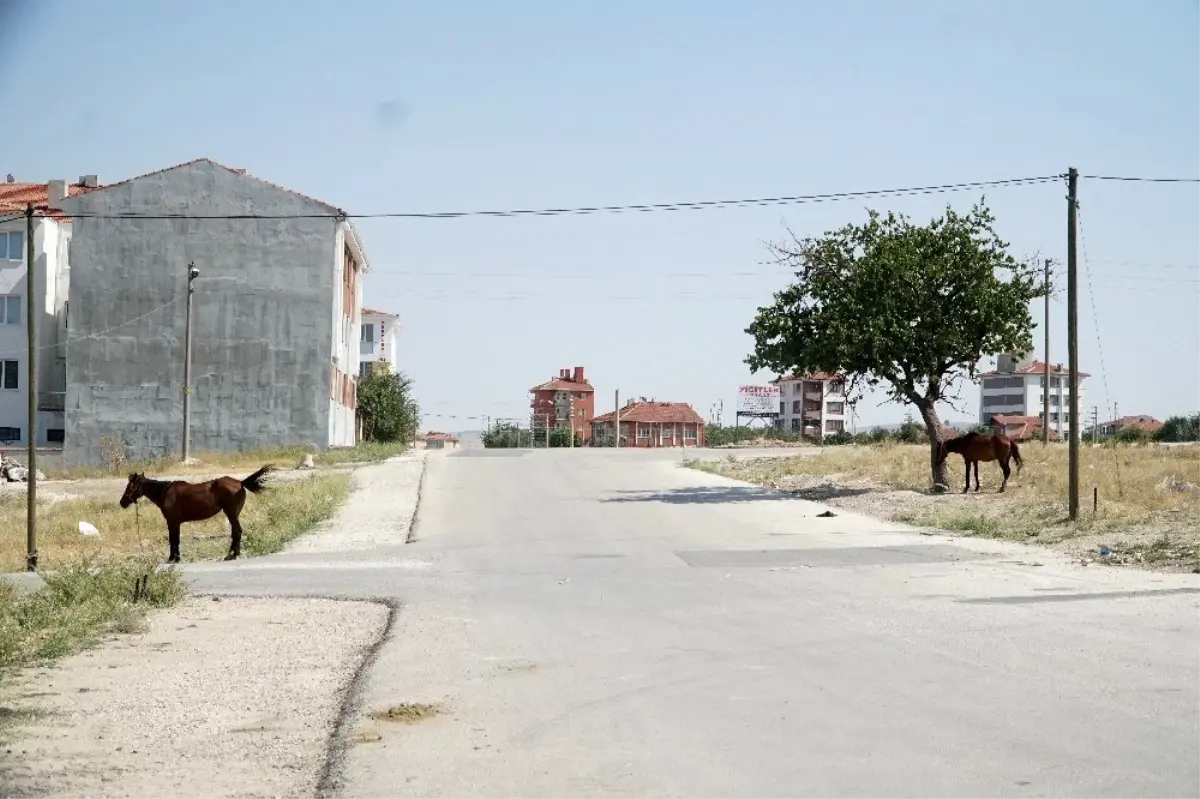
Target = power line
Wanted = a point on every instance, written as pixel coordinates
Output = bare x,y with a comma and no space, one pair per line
1137,179
76,339
615,209
1095,317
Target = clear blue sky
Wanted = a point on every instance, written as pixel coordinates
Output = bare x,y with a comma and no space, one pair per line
388,106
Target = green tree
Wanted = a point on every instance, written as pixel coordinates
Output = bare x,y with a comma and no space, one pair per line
1180,428
387,407
908,307
503,435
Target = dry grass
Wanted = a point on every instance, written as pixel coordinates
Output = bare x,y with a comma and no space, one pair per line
77,606
117,466
1139,518
271,519
408,713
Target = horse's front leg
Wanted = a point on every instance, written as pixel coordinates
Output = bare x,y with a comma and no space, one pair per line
976,477
967,485
1004,467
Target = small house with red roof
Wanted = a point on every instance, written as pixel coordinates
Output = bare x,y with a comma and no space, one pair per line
1147,424
1017,388
1020,428
650,423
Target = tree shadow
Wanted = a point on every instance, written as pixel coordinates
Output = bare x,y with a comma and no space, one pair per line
824,493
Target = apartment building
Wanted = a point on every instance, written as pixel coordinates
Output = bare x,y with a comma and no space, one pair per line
814,405
378,343
1017,388
567,400
52,232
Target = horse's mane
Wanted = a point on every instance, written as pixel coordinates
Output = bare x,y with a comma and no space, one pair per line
154,490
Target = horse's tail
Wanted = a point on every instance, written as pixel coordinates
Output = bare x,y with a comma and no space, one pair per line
1016,453
258,481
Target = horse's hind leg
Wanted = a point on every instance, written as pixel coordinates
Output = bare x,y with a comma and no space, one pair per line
232,511
967,485
1004,467
976,477
173,542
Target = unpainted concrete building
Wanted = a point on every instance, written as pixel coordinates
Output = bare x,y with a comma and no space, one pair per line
275,319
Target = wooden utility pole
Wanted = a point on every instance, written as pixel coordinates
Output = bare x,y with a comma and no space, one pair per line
31,386
1046,365
1072,346
617,417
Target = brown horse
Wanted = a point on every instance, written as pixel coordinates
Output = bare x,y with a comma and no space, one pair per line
975,447
194,502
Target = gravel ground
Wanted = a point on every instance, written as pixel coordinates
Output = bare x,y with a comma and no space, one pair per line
235,697
383,520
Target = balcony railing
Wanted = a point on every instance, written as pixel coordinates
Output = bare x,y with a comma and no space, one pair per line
52,401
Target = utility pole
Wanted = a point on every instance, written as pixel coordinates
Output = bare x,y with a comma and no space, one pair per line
1046,365
1072,345
1095,423
31,385
617,418
192,274
546,426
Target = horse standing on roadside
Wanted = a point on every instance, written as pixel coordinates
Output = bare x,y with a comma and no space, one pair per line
975,447
182,502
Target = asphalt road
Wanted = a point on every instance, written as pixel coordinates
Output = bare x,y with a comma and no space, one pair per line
601,623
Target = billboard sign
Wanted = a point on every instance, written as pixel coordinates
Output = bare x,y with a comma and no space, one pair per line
758,400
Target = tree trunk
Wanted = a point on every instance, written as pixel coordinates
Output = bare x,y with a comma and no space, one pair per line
933,429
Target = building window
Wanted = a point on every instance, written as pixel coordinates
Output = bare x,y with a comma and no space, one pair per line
10,309
8,375
668,432
55,435
782,407
366,369
796,424
835,407
12,246
10,434
837,388
797,406
834,425
367,333
689,433
643,432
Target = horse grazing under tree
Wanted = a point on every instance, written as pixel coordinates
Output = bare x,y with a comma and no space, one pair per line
182,502
975,447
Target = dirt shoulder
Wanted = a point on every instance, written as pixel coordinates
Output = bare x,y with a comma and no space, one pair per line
1168,542
236,697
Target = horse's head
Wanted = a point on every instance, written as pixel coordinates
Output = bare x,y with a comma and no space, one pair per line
943,451
134,489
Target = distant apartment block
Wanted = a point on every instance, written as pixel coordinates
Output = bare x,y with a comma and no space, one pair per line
52,232
379,341
567,401
813,405
1017,388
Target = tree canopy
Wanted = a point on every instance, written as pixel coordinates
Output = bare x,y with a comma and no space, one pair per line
911,308
387,407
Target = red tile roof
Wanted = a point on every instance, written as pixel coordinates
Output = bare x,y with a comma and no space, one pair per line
665,412
1139,422
559,384
1025,426
14,197
1036,368
375,312
439,437
813,376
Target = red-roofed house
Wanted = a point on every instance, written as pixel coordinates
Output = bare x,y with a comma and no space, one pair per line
1142,422
378,341
568,400
1016,388
435,440
1020,428
51,258
646,423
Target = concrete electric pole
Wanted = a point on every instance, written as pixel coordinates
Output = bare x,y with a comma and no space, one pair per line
192,274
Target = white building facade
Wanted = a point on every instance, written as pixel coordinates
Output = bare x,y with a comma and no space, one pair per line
379,341
813,405
1017,388
51,254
